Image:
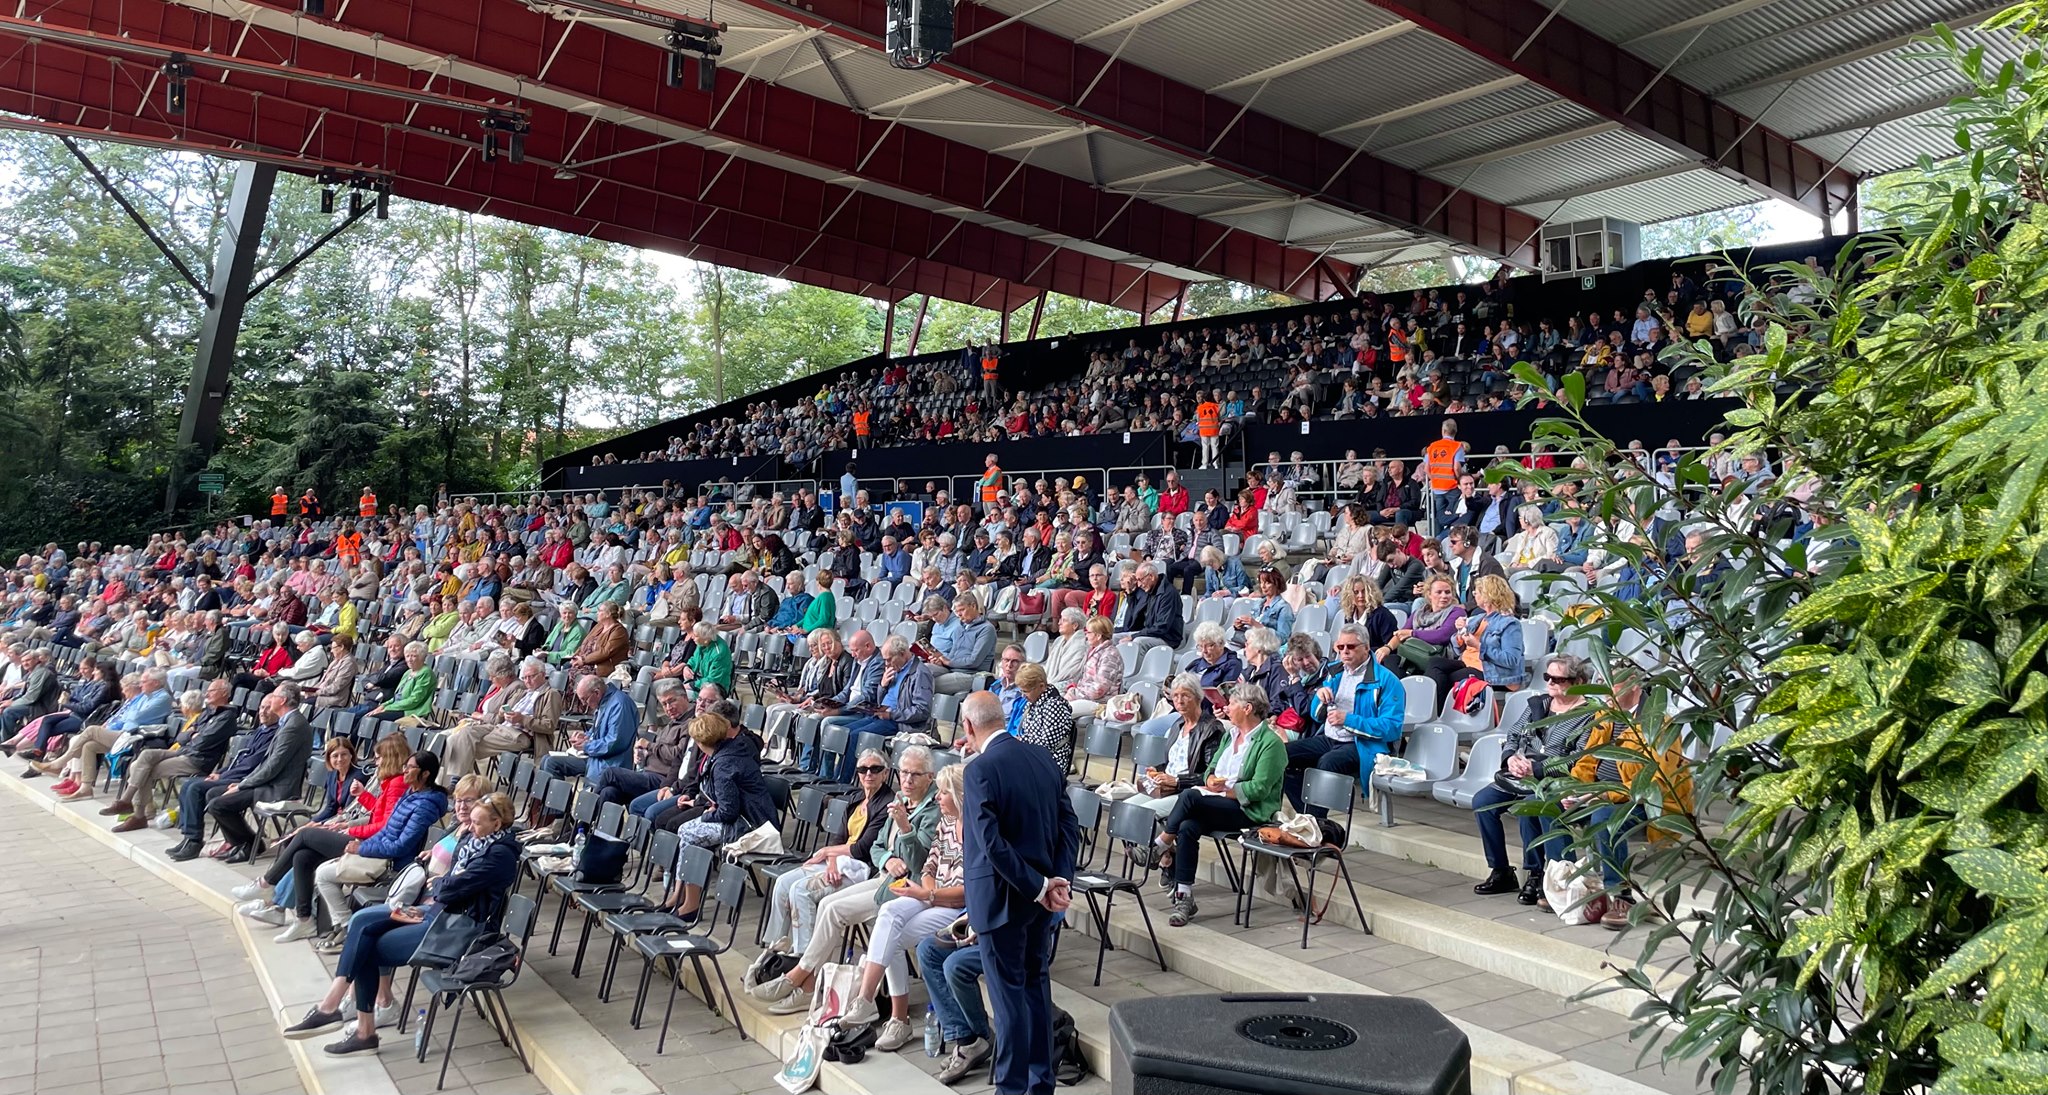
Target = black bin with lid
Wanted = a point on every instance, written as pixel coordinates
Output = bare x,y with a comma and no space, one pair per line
1286,1044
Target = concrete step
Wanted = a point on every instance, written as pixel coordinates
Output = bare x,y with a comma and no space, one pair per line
1501,1065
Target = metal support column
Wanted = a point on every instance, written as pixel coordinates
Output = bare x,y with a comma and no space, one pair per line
1037,313
1180,301
889,329
228,295
1003,327
917,328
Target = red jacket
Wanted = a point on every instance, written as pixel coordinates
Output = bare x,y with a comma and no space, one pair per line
380,806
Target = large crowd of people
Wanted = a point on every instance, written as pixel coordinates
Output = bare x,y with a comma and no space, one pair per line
391,667
1435,352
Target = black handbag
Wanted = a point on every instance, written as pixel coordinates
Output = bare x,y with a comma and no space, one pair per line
601,860
448,938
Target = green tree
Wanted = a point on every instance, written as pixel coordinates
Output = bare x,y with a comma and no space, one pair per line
1864,844
1719,230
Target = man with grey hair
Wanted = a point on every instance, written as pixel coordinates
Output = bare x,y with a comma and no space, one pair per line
1016,819
656,760
286,740
150,707
1356,713
1155,617
520,707
863,690
903,704
200,746
973,650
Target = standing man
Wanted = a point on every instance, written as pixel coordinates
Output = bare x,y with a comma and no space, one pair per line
991,484
279,500
309,504
366,506
991,374
1209,426
1018,837
1442,460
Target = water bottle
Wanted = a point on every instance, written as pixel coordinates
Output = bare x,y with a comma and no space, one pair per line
419,1033
934,1038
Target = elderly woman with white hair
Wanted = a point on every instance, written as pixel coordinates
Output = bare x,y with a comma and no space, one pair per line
1068,650
1534,544
1195,734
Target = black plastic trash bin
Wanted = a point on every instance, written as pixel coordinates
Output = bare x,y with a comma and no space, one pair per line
1286,1044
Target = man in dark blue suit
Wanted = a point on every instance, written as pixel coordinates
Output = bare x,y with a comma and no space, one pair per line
1018,838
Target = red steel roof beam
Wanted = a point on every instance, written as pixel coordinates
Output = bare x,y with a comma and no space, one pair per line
623,72
763,191
1053,73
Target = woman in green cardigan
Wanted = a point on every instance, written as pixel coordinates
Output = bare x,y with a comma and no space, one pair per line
414,700
712,663
1242,792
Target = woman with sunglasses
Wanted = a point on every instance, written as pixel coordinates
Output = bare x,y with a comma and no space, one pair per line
908,827
793,906
1553,729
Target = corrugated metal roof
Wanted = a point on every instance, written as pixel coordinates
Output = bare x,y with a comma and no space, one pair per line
1413,67
1580,163
1448,116
1680,195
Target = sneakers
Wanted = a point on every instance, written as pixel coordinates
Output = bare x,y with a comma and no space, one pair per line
860,1012
1183,911
1616,916
64,787
966,1057
895,1033
249,891
315,1023
354,1043
300,929
387,1015
771,990
1532,888
1502,880
796,1003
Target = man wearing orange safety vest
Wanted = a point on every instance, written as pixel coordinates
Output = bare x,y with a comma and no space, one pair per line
309,504
348,547
366,506
863,425
991,483
278,501
991,386
1441,462
1209,428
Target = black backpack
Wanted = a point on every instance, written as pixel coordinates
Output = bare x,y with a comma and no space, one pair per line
1069,1067
489,958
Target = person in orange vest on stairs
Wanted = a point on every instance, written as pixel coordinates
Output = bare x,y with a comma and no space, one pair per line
863,425
279,500
991,483
991,384
366,506
1441,462
1209,427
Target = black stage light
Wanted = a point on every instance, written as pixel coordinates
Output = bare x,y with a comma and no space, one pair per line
918,32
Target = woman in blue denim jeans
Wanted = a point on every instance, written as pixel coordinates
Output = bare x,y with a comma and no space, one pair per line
381,938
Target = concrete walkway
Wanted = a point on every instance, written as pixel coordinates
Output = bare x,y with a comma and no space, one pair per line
113,981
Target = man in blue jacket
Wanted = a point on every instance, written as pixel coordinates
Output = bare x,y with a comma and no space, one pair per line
609,740
863,690
904,701
1356,711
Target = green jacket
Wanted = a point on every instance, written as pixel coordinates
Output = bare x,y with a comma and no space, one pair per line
912,846
713,663
415,694
1259,780
824,612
